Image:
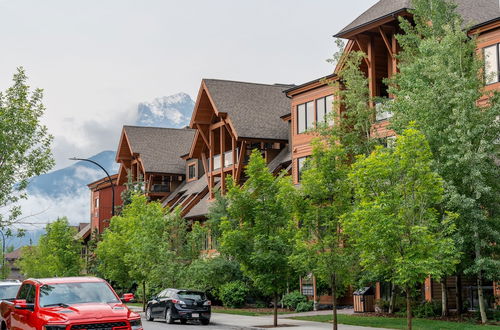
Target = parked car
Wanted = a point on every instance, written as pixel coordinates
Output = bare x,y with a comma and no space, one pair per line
128,297
67,303
179,304
8,289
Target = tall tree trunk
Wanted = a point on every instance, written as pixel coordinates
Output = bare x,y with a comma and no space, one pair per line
480,297
392,299
458,293
408,308
143,296
482,309
275,309
444,297
334,302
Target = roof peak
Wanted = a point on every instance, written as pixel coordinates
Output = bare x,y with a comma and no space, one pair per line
279,85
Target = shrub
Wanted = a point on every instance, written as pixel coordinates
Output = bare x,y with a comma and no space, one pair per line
304,306
233,294
383,305
427,309
293,299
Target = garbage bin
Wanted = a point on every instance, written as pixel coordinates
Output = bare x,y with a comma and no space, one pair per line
364,300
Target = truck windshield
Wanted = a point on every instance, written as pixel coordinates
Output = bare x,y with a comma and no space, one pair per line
9,291
64,294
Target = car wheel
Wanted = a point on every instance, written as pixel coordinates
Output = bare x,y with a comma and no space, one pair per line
168,316
205,322
183,321
149,314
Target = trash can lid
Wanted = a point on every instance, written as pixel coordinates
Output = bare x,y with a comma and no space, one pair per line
366,291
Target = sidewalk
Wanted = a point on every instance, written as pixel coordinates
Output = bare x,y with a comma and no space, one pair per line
256,322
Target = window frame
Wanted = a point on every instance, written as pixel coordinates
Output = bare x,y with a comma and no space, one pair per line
189,166
497,48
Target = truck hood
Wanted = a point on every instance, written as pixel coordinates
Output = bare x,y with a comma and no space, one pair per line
90,312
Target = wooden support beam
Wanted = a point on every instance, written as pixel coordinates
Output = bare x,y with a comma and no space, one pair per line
239,168
233,148
372,82
222,159
216,125
211,165
394,47
228,128
203,136
204,163
386,42
367,57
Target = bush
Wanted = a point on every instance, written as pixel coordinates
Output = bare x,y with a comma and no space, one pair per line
427,309
306,306
233,294
383,305
293,299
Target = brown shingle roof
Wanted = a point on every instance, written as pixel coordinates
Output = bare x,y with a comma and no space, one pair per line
474,12
160,149
254,109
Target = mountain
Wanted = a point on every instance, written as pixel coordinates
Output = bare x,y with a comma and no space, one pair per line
70,180
64,192
169,111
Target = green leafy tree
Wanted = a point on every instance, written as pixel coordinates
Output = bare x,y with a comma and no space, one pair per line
324,197
57,253
394,225
24,144
438,86
254,230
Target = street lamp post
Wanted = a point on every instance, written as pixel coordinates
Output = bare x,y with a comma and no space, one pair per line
110,182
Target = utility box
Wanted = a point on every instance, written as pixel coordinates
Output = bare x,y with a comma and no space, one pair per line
364,300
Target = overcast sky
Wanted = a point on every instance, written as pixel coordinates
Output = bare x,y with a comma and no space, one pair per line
96,59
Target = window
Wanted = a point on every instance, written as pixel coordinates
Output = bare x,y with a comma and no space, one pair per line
300,166
301,118
191,171
96,203
492,64
305,117
381,111
324,106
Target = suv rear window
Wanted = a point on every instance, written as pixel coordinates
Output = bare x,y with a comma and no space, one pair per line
191,295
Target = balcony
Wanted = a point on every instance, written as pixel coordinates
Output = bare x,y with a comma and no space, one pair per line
381,111
160,188
228,160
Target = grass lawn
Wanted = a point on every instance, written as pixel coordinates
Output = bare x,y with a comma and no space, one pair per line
397,323
246,311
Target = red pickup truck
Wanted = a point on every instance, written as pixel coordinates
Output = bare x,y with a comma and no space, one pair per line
70,303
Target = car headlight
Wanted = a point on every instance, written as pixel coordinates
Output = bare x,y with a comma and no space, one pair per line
136,324
55,327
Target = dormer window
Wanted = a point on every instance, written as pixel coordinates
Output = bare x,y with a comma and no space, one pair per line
191,171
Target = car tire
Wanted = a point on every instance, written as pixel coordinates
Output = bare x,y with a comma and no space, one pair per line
183,321
205,322
168,316
149,314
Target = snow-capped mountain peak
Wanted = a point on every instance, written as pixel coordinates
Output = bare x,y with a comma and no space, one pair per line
168,111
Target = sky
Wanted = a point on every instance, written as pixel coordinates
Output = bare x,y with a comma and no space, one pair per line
97,59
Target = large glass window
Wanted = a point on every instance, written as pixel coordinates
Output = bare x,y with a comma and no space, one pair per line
492,64
324,107
300,167
310,115
301,118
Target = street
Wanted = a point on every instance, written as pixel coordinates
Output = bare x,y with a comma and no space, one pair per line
161,325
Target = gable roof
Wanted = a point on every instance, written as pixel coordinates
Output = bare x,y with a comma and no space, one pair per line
254,109
160,149
474,12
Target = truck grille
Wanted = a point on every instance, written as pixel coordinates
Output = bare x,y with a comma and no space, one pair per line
100,326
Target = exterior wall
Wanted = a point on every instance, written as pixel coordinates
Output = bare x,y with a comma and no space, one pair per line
301,143
488,38
100,216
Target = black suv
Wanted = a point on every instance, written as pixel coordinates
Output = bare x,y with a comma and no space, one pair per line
178,304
